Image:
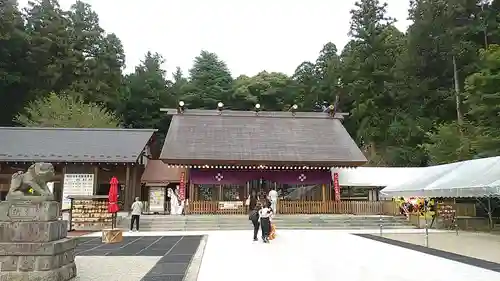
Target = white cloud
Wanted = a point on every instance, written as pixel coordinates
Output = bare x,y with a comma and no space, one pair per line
250,36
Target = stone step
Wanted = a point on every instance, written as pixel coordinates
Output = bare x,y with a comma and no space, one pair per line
241,222
194,228
275,219
326,217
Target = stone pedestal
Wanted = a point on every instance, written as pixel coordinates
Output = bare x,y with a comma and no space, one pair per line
33,242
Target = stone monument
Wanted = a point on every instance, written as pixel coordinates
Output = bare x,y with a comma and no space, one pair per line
33,241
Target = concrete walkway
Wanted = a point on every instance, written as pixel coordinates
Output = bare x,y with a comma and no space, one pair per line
325,256
477,245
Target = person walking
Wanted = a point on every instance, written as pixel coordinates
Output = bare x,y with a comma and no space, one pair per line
136,214
253,216
273,198
265,214
252,200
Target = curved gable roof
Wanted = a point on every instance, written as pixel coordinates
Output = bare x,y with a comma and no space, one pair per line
267,139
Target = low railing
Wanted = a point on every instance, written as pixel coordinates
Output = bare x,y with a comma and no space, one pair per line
302,207
213,208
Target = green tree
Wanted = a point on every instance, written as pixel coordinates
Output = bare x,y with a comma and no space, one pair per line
366,77
273,91
483,102
306,85
328,71
147,90
50,57
99,58
210,82
179,83
66,111
13,47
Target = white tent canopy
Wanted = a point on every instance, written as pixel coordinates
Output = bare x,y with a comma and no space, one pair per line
375,176
473,178
414,186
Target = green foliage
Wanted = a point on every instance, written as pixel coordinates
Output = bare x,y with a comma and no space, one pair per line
66,111
210,82
398,87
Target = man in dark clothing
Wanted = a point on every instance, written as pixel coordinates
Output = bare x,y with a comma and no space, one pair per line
254,218
253,201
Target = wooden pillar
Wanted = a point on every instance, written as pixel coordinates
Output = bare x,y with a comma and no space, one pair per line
64,171
191,192
220,196
323,192
133,183
96,179
128,190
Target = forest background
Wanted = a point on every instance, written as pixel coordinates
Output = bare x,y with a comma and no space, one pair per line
425,96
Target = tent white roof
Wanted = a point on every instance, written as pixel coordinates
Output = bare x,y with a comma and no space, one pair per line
473,178
375,176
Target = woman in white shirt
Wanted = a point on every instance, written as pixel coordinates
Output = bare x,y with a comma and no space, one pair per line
265,215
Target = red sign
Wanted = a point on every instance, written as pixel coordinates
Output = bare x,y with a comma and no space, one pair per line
182,186
336,186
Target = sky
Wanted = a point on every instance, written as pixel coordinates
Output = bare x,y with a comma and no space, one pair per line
250,36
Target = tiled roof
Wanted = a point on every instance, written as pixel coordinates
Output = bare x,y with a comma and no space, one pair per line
157,172
271,138
23,144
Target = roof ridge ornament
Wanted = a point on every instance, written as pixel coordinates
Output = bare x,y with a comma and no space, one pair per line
181,108
257,108
220,107
293,109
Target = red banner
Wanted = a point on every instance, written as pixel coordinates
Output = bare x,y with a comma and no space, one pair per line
182,186
336,186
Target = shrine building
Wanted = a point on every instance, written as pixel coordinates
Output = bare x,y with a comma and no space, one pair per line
230,153
84,159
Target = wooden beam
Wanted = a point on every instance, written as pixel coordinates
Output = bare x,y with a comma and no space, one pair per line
128,190
96,179
135,188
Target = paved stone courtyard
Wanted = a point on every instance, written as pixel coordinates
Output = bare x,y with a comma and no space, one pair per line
146,258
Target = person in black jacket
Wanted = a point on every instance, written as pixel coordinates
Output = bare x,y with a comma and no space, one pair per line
254,218
253,201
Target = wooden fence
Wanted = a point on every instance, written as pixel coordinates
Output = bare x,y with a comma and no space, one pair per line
305,207
464,209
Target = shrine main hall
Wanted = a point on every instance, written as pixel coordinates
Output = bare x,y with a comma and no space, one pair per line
226,154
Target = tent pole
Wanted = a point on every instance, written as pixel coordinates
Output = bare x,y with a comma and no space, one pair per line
426,224
490,213
380,220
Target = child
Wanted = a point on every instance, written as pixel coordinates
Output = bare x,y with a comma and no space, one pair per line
265,215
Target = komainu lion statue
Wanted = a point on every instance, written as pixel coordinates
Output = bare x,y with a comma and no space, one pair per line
32,183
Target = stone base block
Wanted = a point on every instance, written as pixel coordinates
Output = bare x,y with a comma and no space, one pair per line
29,211
64,273
37,249
35,231
36,263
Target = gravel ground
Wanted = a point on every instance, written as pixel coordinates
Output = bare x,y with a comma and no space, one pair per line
477,245
93,268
